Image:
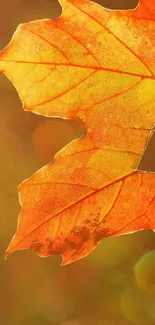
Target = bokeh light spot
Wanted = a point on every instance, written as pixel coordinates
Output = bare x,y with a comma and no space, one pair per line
145,272
134,306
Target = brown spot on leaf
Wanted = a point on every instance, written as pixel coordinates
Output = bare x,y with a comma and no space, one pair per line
76,238
55,248
84,234
87,221
35,242
100,234
70,243
80,233
75,230
37,247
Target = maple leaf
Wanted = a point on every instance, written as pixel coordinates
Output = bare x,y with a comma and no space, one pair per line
98,66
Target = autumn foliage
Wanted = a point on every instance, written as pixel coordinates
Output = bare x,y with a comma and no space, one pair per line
97,66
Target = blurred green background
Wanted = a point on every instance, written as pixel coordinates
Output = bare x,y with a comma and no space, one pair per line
115,284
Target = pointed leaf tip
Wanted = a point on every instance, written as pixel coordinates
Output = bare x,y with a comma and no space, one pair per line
6,255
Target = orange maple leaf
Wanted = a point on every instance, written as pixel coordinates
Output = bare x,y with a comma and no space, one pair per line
98,66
